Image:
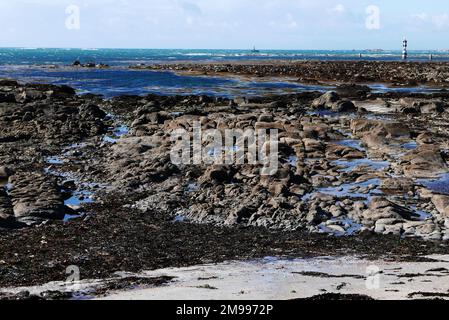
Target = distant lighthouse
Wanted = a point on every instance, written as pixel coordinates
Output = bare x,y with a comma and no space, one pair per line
404,49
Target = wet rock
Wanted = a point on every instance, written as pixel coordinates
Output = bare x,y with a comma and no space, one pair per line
429,231
327,100
92,111
391,129
269,125
353,90
397,185
217,175
62,92
150,107
412,74
7,98
413,105
316,215
313,145
315,130
8,83
424,162
378,135
344,106
381,208
133,147
242,214
266,118
334,151
442,204
239,101
5,172
139,164
7,220
389,226
425,138
35,198
28,95
336,211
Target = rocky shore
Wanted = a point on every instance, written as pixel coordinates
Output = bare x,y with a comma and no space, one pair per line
89,182
393,73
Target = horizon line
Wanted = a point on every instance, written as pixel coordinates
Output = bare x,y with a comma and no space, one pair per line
215,49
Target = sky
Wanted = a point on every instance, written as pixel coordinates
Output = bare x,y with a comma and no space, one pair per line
225,24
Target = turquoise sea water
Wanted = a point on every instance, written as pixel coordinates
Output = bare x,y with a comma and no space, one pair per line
132,56
53,66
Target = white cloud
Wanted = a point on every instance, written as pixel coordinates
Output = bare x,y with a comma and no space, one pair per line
420,16
291,22
287,22
441,21
338,9
191,8
438,21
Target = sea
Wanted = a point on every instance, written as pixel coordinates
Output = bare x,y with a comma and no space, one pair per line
40,65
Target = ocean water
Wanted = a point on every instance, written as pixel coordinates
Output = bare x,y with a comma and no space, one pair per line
124,57
53,66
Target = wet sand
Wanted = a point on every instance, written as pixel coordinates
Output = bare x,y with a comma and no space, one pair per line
277,279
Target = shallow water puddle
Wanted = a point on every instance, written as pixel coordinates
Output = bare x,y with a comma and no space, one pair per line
179,219
439,185
54,160
293,161
6,186
423,216
73,149
379,107
121,130
323,113
78,199
412,145
117,132
363,190
382,88
192,187
82,195
348,225
351,165
351,143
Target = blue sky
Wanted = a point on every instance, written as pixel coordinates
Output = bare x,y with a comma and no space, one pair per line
229,24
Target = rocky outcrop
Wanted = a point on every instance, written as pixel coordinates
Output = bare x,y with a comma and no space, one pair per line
337,173
5,172
393,72
7,219
353,90
380,208
380,137
424,162
331,100
441,203
36,198
426,106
